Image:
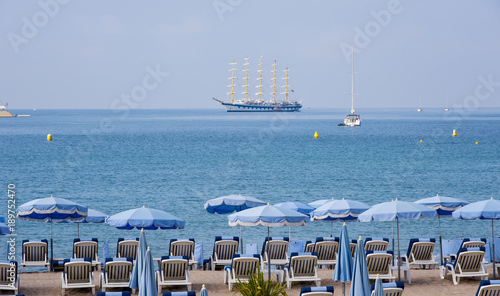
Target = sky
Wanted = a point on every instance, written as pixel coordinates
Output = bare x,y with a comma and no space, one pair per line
62,54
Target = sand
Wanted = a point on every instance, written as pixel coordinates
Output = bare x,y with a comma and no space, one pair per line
424,282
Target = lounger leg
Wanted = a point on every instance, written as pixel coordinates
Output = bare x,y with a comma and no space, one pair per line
93,291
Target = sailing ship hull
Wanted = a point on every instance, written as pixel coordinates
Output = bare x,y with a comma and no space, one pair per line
6,114
233,107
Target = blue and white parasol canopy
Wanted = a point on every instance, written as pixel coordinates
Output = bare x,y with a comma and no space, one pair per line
232,203
268,215
389,211
339,210
486,209
442,204
51,209
295,206
147,218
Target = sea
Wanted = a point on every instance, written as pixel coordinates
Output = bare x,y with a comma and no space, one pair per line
176,160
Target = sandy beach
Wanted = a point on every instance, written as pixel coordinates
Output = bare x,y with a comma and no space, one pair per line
424,282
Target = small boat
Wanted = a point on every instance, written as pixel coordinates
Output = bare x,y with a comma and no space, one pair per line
4,113
352,119
420,108
446,109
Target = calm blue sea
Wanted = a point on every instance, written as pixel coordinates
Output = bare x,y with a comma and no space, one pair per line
175,160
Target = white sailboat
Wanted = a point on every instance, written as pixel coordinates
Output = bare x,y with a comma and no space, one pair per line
420,108
446,109
352,119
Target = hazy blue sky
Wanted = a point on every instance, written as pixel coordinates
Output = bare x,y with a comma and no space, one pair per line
116,54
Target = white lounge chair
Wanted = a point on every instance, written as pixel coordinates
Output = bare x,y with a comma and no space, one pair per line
353,244
77,273
240,269
127,248
391,289
317,291
376,244
420,253
327,252
488,288
173,272
224,249
9,278
275,249
468,264
35,253
183,247
116,273
302,267
379,264
87,248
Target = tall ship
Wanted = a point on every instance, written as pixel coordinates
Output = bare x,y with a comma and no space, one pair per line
4,112
352,119
258,104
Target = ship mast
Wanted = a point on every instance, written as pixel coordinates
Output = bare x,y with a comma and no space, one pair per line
274,82
286,85
246,79
259,93
352,82
233,77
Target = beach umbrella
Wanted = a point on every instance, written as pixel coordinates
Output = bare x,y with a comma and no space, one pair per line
51,210
143,218
230,204
379,289
93,216
318,203
203,291
444,207
269,216
395,210
4,229
148,280
295,206
2,219
338,210
344,266
486,209
360,284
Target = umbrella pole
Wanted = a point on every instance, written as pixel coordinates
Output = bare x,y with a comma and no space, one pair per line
343,289
241,239
78,229
51,249
268,257
493,240
290,233
393,243
331,229
399,255
440,239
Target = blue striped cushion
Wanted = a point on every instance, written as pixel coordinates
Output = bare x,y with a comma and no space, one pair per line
316,289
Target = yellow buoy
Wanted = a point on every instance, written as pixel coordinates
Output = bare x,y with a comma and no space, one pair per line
316,135
454,133
477,143
421,140
49,137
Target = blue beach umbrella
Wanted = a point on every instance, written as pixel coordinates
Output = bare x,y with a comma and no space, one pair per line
203,291
344,266
379,288
93,216
269,216
230,204
360,284
4,229
342,210
139,262
316,204
148,281
395,210
295,206
51,210
487,209
444,207
2,219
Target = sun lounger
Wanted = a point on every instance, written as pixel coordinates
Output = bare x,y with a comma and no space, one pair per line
87,248
114,294
240,269
9,278
379,264
391,289
420,253
127,248
353,244
302,267
275,249
173,271
224,249
189,293
77,273
116,273
488,288
317,291
327,249
183,247
376,244
35,253
468,264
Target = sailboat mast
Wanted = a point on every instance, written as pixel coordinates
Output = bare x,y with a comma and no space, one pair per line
274,82
352,82
286,85
246,79
233,77
260,81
